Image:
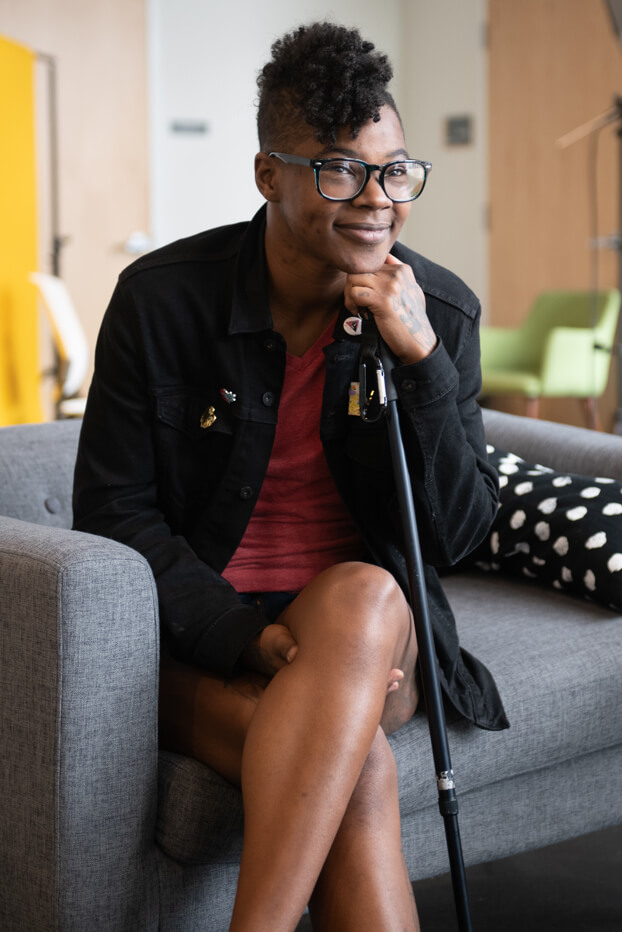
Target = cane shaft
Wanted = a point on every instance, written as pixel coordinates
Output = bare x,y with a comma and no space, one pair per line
447,800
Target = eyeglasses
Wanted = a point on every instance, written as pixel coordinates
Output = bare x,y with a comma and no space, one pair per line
345,179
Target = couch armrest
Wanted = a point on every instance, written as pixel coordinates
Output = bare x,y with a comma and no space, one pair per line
561,446
79,654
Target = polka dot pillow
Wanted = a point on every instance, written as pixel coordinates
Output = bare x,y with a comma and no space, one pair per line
559,528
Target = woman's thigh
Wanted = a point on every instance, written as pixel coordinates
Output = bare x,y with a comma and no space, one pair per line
205,716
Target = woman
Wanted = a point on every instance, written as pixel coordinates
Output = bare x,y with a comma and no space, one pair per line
221,440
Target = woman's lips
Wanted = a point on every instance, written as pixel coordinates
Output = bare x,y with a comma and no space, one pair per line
369,233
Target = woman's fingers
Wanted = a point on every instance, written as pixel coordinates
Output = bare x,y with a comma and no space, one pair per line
395,678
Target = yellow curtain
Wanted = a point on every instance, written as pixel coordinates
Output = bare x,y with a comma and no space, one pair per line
20,400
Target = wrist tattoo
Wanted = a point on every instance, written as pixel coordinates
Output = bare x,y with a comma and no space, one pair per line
415,319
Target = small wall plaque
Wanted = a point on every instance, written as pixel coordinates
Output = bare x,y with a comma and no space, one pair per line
459,130
196,127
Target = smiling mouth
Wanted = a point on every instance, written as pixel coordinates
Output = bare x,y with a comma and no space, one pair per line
365,232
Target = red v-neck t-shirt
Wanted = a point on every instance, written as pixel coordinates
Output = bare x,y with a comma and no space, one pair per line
299,525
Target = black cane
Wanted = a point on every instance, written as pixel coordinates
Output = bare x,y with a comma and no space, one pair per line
447,799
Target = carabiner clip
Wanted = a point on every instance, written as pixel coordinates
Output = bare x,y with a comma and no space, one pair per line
378,394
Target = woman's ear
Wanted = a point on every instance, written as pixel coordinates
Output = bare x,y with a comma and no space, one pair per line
266,172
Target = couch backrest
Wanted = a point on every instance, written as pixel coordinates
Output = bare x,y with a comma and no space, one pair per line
36,471
37,460
561,446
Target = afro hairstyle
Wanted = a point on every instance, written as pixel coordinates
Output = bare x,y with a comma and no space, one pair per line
323,75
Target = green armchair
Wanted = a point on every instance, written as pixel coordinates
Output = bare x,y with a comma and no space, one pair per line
562,349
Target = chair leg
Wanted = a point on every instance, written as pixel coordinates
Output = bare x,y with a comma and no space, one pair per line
590,408
533,406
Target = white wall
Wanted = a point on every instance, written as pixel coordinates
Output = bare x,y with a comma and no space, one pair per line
444,73
204,58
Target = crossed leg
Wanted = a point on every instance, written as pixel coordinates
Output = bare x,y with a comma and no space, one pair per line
317,775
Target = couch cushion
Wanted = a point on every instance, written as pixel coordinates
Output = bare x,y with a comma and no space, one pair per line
200,816
36,465
556,661
560,528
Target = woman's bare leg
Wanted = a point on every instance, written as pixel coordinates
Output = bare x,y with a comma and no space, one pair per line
310,736
206,717
308,749
364,883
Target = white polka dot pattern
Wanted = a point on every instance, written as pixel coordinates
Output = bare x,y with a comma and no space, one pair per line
559,528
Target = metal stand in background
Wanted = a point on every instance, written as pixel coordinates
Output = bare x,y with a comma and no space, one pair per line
58,241
595,125
447,800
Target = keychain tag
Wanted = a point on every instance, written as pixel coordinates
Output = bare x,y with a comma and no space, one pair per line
354,407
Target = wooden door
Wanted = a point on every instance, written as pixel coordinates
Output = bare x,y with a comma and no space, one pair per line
553,66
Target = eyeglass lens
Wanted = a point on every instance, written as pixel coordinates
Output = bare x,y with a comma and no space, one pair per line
343,179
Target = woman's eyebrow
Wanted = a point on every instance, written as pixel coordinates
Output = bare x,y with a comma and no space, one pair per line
352,154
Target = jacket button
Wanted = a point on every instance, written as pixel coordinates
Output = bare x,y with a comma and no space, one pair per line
246,492
268,399
270,344
408,385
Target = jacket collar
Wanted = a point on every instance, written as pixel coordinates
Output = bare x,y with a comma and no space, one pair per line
250,311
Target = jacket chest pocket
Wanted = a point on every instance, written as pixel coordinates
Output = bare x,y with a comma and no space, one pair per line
193,435
196,416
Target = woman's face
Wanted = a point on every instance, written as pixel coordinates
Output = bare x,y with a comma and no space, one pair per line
347,236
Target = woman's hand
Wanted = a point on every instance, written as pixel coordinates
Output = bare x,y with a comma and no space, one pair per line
397,303
395,678
270,651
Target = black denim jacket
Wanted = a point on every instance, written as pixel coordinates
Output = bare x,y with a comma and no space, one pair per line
179,426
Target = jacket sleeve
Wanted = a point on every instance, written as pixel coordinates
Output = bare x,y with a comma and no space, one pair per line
455,488
116,495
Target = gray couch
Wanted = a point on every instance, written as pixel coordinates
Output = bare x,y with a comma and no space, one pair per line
99,831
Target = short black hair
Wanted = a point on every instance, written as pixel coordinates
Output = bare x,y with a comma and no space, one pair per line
324,75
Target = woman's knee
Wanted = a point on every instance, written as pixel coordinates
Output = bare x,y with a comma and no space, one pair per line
373,587
356,599
382,619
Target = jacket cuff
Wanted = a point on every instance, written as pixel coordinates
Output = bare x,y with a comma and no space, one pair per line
425,382
220,645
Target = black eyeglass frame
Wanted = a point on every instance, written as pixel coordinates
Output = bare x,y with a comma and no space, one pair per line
317,164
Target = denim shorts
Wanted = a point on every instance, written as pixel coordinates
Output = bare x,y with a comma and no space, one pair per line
271,603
